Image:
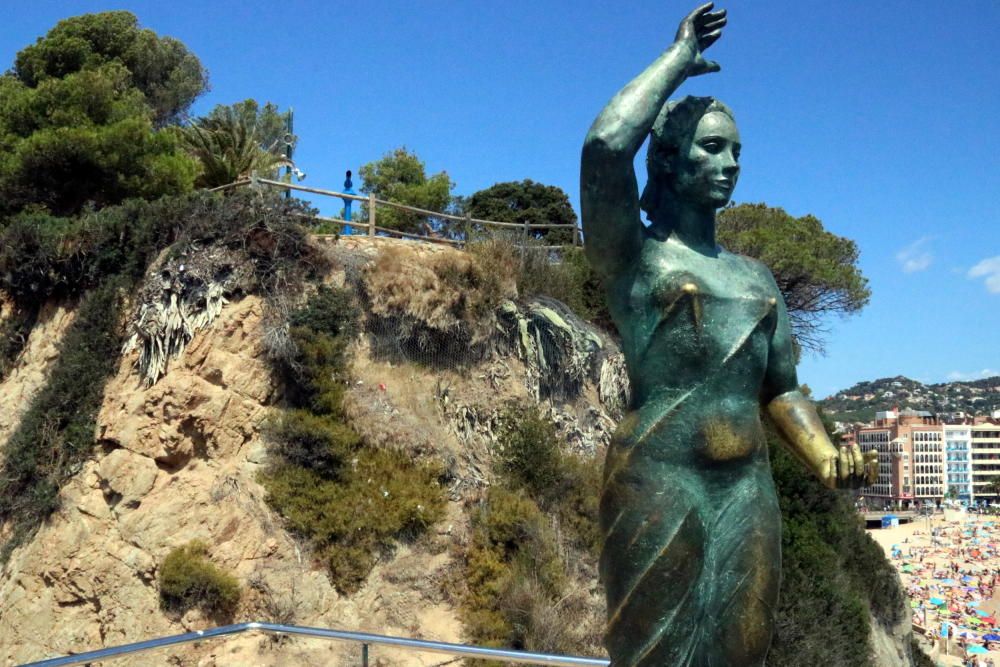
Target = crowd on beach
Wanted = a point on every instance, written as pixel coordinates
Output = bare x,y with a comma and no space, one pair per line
950,572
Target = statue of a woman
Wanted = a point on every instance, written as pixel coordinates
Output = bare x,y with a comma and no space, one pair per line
691,525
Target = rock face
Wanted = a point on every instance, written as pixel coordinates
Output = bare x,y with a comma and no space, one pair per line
891,645
177,462
33,364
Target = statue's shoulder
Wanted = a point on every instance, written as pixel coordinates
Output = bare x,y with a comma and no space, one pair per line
753,266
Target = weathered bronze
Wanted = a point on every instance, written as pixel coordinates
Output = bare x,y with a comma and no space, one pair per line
691,525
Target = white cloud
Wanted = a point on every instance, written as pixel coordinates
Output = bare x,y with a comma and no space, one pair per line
989,271
956,376
914,257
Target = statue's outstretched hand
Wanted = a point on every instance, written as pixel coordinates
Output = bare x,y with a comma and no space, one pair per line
848,468
700,29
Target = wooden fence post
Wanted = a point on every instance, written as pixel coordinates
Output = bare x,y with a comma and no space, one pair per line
576,235
527,233
468,228
371,214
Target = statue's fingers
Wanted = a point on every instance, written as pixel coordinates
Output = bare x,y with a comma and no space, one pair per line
871,466
844,465
717,24
698,12
858,461
827,472
709,38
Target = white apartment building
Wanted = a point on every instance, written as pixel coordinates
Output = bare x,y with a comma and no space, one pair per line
958,461
877,440
928,462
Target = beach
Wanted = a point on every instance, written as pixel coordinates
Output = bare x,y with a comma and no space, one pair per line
950,570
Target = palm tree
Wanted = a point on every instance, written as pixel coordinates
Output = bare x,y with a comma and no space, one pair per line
233,141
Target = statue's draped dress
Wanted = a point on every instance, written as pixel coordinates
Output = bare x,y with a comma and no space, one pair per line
691,525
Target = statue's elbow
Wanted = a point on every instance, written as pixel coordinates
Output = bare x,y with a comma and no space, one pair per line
603,142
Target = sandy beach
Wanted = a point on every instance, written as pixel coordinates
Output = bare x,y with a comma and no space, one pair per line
950,571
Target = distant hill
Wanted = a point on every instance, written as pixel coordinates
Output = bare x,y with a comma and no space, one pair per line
860,402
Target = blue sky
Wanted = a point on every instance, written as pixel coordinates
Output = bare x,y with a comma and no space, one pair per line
878,118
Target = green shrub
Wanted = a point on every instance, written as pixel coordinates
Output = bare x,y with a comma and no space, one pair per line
14,332
511,540
381,497
311,441
316,372
329,311
188,580
56,434
563,484
351,501
529,450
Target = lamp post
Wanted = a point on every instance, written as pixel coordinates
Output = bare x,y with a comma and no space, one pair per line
289,140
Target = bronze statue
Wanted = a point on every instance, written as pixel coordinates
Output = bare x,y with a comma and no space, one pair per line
690,520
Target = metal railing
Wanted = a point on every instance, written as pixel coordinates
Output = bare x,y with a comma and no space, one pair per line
365,639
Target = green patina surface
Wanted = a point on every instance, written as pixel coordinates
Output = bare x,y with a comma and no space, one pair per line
690,520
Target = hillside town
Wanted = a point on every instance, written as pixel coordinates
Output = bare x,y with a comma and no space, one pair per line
925,458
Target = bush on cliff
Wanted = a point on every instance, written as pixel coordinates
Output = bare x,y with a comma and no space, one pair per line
56,434
188,579
530,534
350,500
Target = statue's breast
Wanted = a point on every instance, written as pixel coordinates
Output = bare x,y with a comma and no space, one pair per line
702,314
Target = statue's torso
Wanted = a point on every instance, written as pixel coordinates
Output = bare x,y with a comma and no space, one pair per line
696,329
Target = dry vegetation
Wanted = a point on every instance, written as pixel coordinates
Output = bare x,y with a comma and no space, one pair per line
438,308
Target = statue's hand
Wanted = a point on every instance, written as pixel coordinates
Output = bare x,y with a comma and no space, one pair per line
847,468
699,30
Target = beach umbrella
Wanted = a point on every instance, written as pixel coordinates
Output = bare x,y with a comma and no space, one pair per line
949,582
992,637
937,601
980,612
977,649
973,603
967,578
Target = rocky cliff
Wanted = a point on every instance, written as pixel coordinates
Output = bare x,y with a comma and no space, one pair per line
178,460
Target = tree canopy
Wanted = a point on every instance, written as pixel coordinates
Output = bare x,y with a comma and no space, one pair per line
525,202
79,114
816,271
168,75
399,176
233,141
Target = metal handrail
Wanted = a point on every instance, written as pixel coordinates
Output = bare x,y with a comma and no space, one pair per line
364,638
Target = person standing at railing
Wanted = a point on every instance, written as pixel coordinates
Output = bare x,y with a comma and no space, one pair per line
348,190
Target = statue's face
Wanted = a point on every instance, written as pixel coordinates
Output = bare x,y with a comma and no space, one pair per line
706,171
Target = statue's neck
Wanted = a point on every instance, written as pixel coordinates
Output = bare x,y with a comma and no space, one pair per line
694,226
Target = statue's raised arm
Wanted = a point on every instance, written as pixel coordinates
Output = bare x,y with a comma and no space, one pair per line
609,194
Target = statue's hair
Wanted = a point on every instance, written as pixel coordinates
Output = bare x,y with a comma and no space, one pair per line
673,128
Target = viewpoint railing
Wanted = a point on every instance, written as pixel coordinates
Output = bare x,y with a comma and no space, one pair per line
468,223
365,639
